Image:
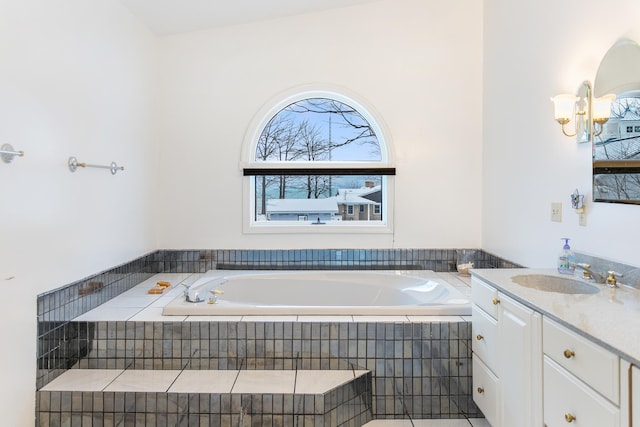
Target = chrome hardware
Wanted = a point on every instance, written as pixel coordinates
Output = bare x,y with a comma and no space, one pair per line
569,417
569,353
588,273
480,390
191,296
479,337
8,153
74,164
495,301
213,298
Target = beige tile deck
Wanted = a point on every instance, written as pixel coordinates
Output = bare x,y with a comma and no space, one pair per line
204,382
143,381
271,382
83,379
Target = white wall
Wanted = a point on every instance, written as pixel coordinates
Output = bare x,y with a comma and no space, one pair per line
76,80
417,63
532,51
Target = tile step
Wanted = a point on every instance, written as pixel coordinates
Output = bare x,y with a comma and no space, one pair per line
315,398
203,381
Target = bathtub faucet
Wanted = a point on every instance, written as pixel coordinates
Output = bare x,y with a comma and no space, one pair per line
190,296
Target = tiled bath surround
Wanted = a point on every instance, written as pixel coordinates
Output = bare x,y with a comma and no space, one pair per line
432,387
420,369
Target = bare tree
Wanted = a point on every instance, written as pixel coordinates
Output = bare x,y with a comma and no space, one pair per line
277,142
351,118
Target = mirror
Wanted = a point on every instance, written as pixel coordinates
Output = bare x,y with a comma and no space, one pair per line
616,143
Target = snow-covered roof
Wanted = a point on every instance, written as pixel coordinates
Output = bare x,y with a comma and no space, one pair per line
355,196
327,205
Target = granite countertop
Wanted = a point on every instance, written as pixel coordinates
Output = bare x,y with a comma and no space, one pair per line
610,317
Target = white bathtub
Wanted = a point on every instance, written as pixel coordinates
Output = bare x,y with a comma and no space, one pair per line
419,292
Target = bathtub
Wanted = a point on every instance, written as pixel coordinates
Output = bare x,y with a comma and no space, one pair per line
418,292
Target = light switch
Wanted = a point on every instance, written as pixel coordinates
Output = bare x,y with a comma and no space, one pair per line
556,211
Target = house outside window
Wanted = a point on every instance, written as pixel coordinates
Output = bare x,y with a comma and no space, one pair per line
314,159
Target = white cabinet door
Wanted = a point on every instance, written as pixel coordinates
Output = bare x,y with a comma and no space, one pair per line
569,401
520,364
635,396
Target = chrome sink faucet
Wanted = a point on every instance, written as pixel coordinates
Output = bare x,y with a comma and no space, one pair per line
610,279
588,273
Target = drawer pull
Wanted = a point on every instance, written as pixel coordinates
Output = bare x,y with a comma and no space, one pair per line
495,301
480,390
569,353
479,337
569,418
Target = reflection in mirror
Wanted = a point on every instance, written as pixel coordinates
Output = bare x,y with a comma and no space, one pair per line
616,149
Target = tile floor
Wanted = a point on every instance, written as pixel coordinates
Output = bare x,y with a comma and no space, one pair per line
473,422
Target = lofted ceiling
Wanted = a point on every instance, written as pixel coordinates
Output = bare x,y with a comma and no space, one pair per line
165,17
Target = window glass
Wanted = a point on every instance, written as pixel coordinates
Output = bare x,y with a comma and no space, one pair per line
318,129
325,140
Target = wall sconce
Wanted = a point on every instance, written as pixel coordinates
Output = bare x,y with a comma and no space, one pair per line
575,108
601,112
584,111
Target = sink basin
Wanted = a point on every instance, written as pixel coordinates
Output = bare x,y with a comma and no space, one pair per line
548,283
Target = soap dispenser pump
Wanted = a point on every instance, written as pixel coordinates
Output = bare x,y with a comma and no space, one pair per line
566,259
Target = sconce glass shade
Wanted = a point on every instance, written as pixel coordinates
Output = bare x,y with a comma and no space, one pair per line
577,109
602,108
564,107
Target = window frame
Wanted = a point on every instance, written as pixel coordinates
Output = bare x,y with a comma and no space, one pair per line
249,167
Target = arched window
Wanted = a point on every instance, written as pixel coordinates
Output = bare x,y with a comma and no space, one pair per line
318,161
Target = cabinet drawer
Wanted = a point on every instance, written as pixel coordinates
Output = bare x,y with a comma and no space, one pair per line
485,296
591,363
484,341
485,390
566,396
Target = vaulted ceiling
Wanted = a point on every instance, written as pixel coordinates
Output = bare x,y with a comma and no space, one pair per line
176,16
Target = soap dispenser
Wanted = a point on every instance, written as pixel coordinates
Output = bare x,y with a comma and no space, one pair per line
566,259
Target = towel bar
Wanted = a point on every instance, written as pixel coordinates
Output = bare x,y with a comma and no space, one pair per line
74,164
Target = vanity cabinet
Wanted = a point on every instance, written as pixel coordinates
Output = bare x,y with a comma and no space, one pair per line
581,380
629,394
507,358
